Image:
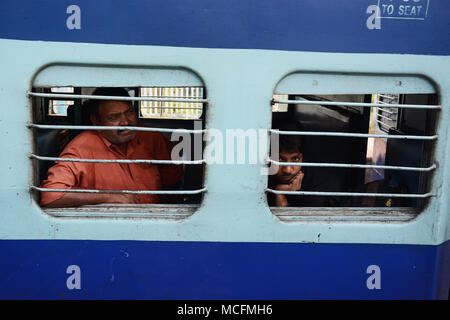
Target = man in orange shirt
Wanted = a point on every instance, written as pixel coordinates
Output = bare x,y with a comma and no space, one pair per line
111,144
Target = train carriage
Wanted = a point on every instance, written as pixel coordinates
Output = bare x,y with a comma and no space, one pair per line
367,80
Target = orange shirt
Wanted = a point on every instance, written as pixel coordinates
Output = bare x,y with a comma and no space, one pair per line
113,176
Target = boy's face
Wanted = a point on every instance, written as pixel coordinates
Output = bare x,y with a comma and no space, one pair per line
286,173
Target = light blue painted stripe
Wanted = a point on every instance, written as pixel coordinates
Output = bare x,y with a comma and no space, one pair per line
236,200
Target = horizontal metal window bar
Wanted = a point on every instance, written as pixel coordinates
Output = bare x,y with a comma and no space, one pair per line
120,191
48,126
116,98
347,165
354,135
351,194
42,158
358,104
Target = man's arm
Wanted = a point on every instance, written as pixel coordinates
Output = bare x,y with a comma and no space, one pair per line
281,200
294,185
67,175
72,199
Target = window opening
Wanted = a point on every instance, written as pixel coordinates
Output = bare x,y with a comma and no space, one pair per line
171,109
386,116
349,159
76,103
59,107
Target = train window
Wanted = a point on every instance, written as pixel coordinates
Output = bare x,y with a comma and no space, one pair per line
171,109
132,172
368,147
386,117
59,107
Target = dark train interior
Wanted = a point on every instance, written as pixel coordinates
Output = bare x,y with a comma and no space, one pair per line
355,150
50,142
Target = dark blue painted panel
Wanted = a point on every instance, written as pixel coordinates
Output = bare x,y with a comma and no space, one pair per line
33,269
306,25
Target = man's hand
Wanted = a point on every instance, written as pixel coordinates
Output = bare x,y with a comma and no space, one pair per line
123,198
294,184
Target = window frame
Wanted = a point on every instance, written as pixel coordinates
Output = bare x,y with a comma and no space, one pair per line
355,214
54,78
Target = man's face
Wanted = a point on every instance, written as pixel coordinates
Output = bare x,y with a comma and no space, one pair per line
286,173
116,113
